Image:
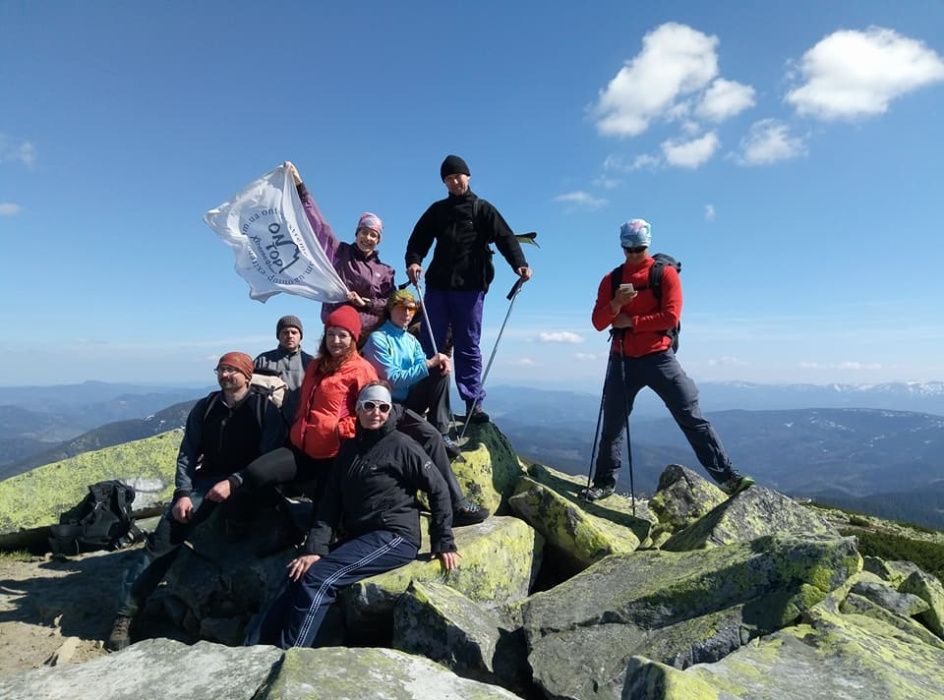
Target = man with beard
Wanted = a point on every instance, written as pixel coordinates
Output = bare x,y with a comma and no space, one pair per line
225,431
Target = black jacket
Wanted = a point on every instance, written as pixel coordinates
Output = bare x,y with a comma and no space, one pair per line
219,441
373,487
462,231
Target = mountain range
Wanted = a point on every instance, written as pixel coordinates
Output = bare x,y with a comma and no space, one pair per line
874,459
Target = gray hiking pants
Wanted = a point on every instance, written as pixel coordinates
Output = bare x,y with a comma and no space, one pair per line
662,373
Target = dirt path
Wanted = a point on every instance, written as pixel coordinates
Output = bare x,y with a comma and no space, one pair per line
57,605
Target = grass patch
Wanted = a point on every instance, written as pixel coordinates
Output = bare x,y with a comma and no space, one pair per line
927,555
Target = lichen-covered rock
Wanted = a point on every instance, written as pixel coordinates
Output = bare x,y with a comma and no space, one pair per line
438,622
683,496
616,508
835,657
576,535
895,572
904,604
855,604
756,512
337,673
500,558
929,589
37,498
490,468
155,669
675,607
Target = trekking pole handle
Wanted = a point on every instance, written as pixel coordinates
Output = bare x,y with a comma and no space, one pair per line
517,288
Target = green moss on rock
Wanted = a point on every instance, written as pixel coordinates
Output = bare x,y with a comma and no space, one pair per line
577,535
38,497
491,468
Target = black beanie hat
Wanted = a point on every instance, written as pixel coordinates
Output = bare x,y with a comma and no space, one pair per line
293,321
453,165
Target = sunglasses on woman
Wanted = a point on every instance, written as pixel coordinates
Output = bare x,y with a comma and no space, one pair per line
381,406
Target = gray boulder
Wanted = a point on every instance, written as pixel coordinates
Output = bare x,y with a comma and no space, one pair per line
337,673
679,608
154,669
904,604
895,572
438,622
929,589
756,512
500,558
834,657
683,496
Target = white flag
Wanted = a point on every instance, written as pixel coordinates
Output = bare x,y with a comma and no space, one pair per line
275,247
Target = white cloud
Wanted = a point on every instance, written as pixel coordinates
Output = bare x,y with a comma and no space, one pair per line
559,337
727,361
769,141
522,362
675,61
847,364
9,209
644,161
587,356
12,150
581,199
724,99
852,74
690,154
710,212
607,183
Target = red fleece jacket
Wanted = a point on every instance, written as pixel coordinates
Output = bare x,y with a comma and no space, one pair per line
651,319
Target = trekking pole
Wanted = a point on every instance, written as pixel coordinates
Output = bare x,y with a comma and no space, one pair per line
429,328
629,445
512,295
596,433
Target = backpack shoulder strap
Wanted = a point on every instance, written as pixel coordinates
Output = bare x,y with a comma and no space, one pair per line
212,398
616,279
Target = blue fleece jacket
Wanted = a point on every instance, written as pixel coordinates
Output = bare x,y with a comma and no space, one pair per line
398,357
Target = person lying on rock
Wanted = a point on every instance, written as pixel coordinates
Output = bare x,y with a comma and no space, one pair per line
225,431
371,497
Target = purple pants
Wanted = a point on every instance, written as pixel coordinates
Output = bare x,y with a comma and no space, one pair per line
462,311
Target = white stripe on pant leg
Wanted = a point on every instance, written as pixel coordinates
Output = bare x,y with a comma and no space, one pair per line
316,601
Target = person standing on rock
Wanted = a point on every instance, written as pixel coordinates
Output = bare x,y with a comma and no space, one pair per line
288,361
225,431
371,497
641,355
462,226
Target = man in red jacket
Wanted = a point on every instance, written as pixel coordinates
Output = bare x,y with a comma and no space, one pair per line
641,356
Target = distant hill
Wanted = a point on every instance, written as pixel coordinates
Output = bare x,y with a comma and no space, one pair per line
107,435
88,405
883,462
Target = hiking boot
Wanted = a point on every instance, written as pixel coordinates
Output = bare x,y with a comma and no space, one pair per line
736,484
596,493
468,514
475,413
452,447
120,636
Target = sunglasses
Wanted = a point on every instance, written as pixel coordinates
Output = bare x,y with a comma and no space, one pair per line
381,406
408,306
636,249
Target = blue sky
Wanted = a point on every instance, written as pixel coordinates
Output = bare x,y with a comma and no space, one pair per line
790,156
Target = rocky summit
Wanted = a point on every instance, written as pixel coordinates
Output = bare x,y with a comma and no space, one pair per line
687,594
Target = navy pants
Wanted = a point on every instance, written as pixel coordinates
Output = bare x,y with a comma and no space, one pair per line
462,311
295,616
662,373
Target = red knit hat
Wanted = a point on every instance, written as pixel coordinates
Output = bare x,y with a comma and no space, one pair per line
347,318
239,360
